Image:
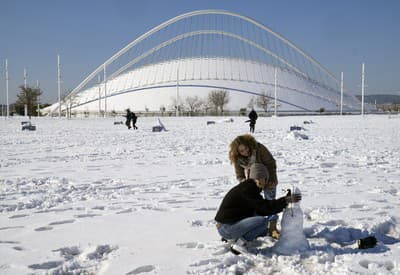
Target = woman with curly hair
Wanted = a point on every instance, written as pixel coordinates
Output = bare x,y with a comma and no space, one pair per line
245,151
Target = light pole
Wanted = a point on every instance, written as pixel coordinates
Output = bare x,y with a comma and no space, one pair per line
7,78
25,86
38,103
105,91
177,93
275,84
59,85
25,78
341,93
99,83
362,87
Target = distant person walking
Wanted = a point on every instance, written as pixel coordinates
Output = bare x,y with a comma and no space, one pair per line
253,117
134,119
129,117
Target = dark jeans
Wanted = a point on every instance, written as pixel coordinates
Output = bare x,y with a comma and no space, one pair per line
248,228
252,126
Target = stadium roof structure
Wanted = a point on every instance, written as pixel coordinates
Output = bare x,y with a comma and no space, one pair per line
200,51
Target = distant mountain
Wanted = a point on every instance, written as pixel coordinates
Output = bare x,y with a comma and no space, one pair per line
381,99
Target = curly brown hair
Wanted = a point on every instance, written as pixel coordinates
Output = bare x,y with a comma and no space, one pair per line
247,140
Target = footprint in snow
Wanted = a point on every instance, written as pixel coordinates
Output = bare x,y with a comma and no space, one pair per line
11,227
381,213
380,200
206,209
175,201
69,253
98,208
155,208
205,262
61,222
142,269
9,242
191,245
44,228
125,211
388,265
327,165
356,206
46,265
53,210
86,215
18,216
196,223
100,252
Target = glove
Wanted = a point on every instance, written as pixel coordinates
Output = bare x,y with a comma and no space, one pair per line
292,198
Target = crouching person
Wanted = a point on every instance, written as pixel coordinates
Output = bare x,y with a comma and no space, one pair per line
241,215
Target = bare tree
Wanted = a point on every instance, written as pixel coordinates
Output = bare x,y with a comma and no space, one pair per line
263,101
251,103
207,106
162,110
175,104
68,100
218,99
194,104
28,96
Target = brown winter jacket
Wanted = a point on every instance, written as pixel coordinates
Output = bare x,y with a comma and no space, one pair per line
262,155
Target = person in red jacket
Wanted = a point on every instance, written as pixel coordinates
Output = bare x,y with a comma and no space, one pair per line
241,215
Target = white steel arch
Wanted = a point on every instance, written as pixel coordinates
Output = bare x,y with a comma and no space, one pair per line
248,57
185,35
191,14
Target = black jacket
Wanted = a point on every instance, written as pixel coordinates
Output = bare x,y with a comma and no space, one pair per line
253,116
244,200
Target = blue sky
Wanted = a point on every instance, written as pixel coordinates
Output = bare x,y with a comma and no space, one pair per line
340,34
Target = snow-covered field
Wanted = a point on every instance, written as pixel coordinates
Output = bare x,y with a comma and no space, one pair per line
87,196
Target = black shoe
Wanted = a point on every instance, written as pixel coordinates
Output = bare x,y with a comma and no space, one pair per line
239,247
234,251
367,242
